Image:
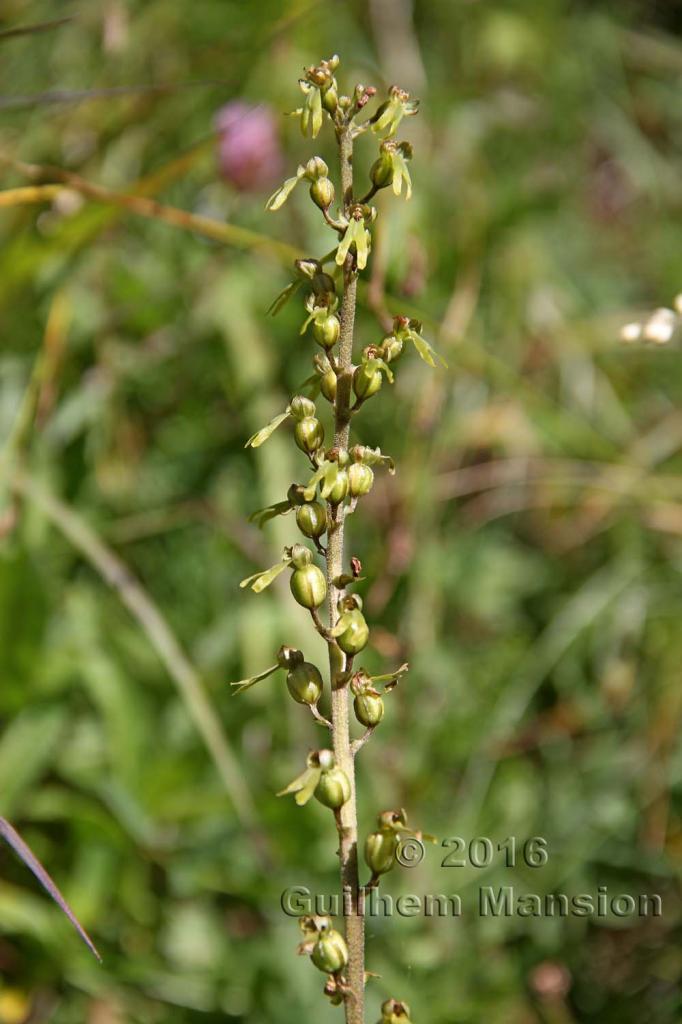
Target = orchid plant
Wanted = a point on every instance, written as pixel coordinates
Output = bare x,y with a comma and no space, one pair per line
340,473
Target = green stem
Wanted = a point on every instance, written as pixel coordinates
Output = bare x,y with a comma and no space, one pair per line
347,819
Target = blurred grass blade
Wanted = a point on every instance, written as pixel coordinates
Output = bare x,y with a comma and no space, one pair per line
159,634
13,839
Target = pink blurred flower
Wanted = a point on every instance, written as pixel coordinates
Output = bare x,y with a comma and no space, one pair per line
249,151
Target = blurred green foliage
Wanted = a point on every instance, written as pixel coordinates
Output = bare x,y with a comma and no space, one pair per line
526,558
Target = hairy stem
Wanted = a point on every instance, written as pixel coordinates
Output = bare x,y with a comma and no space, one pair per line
347,819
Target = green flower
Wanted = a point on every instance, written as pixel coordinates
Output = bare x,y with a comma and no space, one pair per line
356,237
391,167
406,329
310,114
389,115
314,171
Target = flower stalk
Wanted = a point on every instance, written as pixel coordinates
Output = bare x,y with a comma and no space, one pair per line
342,476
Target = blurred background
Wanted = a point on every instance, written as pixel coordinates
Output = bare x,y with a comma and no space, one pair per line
525,559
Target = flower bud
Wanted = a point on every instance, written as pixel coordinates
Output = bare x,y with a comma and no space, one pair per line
381,171
328,386
333,789
316,168
311,519
355,635
325,759
340,455
304,683
395,821
339,489
390,348
326,330
393,1012
322,193
330,953
295,494
309,434
369,709
289,657
300,556
308,586
360,480
301,407
380,850
308,268
367,380
330,99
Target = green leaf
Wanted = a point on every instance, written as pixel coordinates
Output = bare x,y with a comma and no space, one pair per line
261,436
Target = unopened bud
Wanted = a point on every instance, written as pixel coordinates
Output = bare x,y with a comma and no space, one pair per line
338,490
390,348
333,789
308,586
295,494
316,168
330,98
309,434
380,850
381,171
311,519
395,821
301,407
328,386
307,268
360,480
304,683
369,709
322,193
330,953
367,380
326,330
289,657
393,1012
355,635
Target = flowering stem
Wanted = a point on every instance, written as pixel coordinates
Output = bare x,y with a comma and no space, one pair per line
347,821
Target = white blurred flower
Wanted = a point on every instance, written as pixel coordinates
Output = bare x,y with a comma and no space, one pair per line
660,326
